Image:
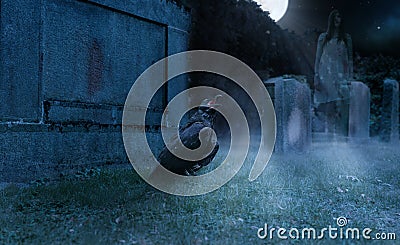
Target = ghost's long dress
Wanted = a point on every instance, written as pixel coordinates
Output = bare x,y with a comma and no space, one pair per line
334,72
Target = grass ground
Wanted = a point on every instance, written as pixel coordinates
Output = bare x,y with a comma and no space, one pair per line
311,190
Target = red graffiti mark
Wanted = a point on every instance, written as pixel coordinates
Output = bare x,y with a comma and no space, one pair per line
96,68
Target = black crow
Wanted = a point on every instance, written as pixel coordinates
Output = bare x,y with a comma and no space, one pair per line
200,125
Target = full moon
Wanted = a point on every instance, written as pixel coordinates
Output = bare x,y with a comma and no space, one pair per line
276,8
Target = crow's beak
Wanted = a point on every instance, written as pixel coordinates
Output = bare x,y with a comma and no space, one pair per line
214,102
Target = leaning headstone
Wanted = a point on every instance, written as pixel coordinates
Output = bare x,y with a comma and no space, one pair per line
359,111
292,103
389,128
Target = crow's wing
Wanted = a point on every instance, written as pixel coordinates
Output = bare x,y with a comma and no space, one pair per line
190,138
210,157
197,117
205,161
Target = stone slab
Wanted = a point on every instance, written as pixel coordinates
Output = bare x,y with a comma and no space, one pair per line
292,103
359,111
94,55
389,128
66,69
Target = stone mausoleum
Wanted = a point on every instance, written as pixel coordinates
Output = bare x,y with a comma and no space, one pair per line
66,69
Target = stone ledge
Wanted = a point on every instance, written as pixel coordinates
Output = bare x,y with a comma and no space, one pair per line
26,156
159,13
62,127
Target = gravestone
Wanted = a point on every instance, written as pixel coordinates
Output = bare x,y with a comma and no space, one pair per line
389,128
67,67
292,103
359,111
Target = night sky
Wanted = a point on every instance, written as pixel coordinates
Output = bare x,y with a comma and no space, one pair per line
374,25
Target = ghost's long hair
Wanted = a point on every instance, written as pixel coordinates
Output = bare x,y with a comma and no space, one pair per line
331,28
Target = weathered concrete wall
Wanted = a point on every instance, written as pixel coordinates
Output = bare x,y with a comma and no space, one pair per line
66,69
20,59
34,151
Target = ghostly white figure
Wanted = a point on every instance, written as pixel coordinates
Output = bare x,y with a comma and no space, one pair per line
333,75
